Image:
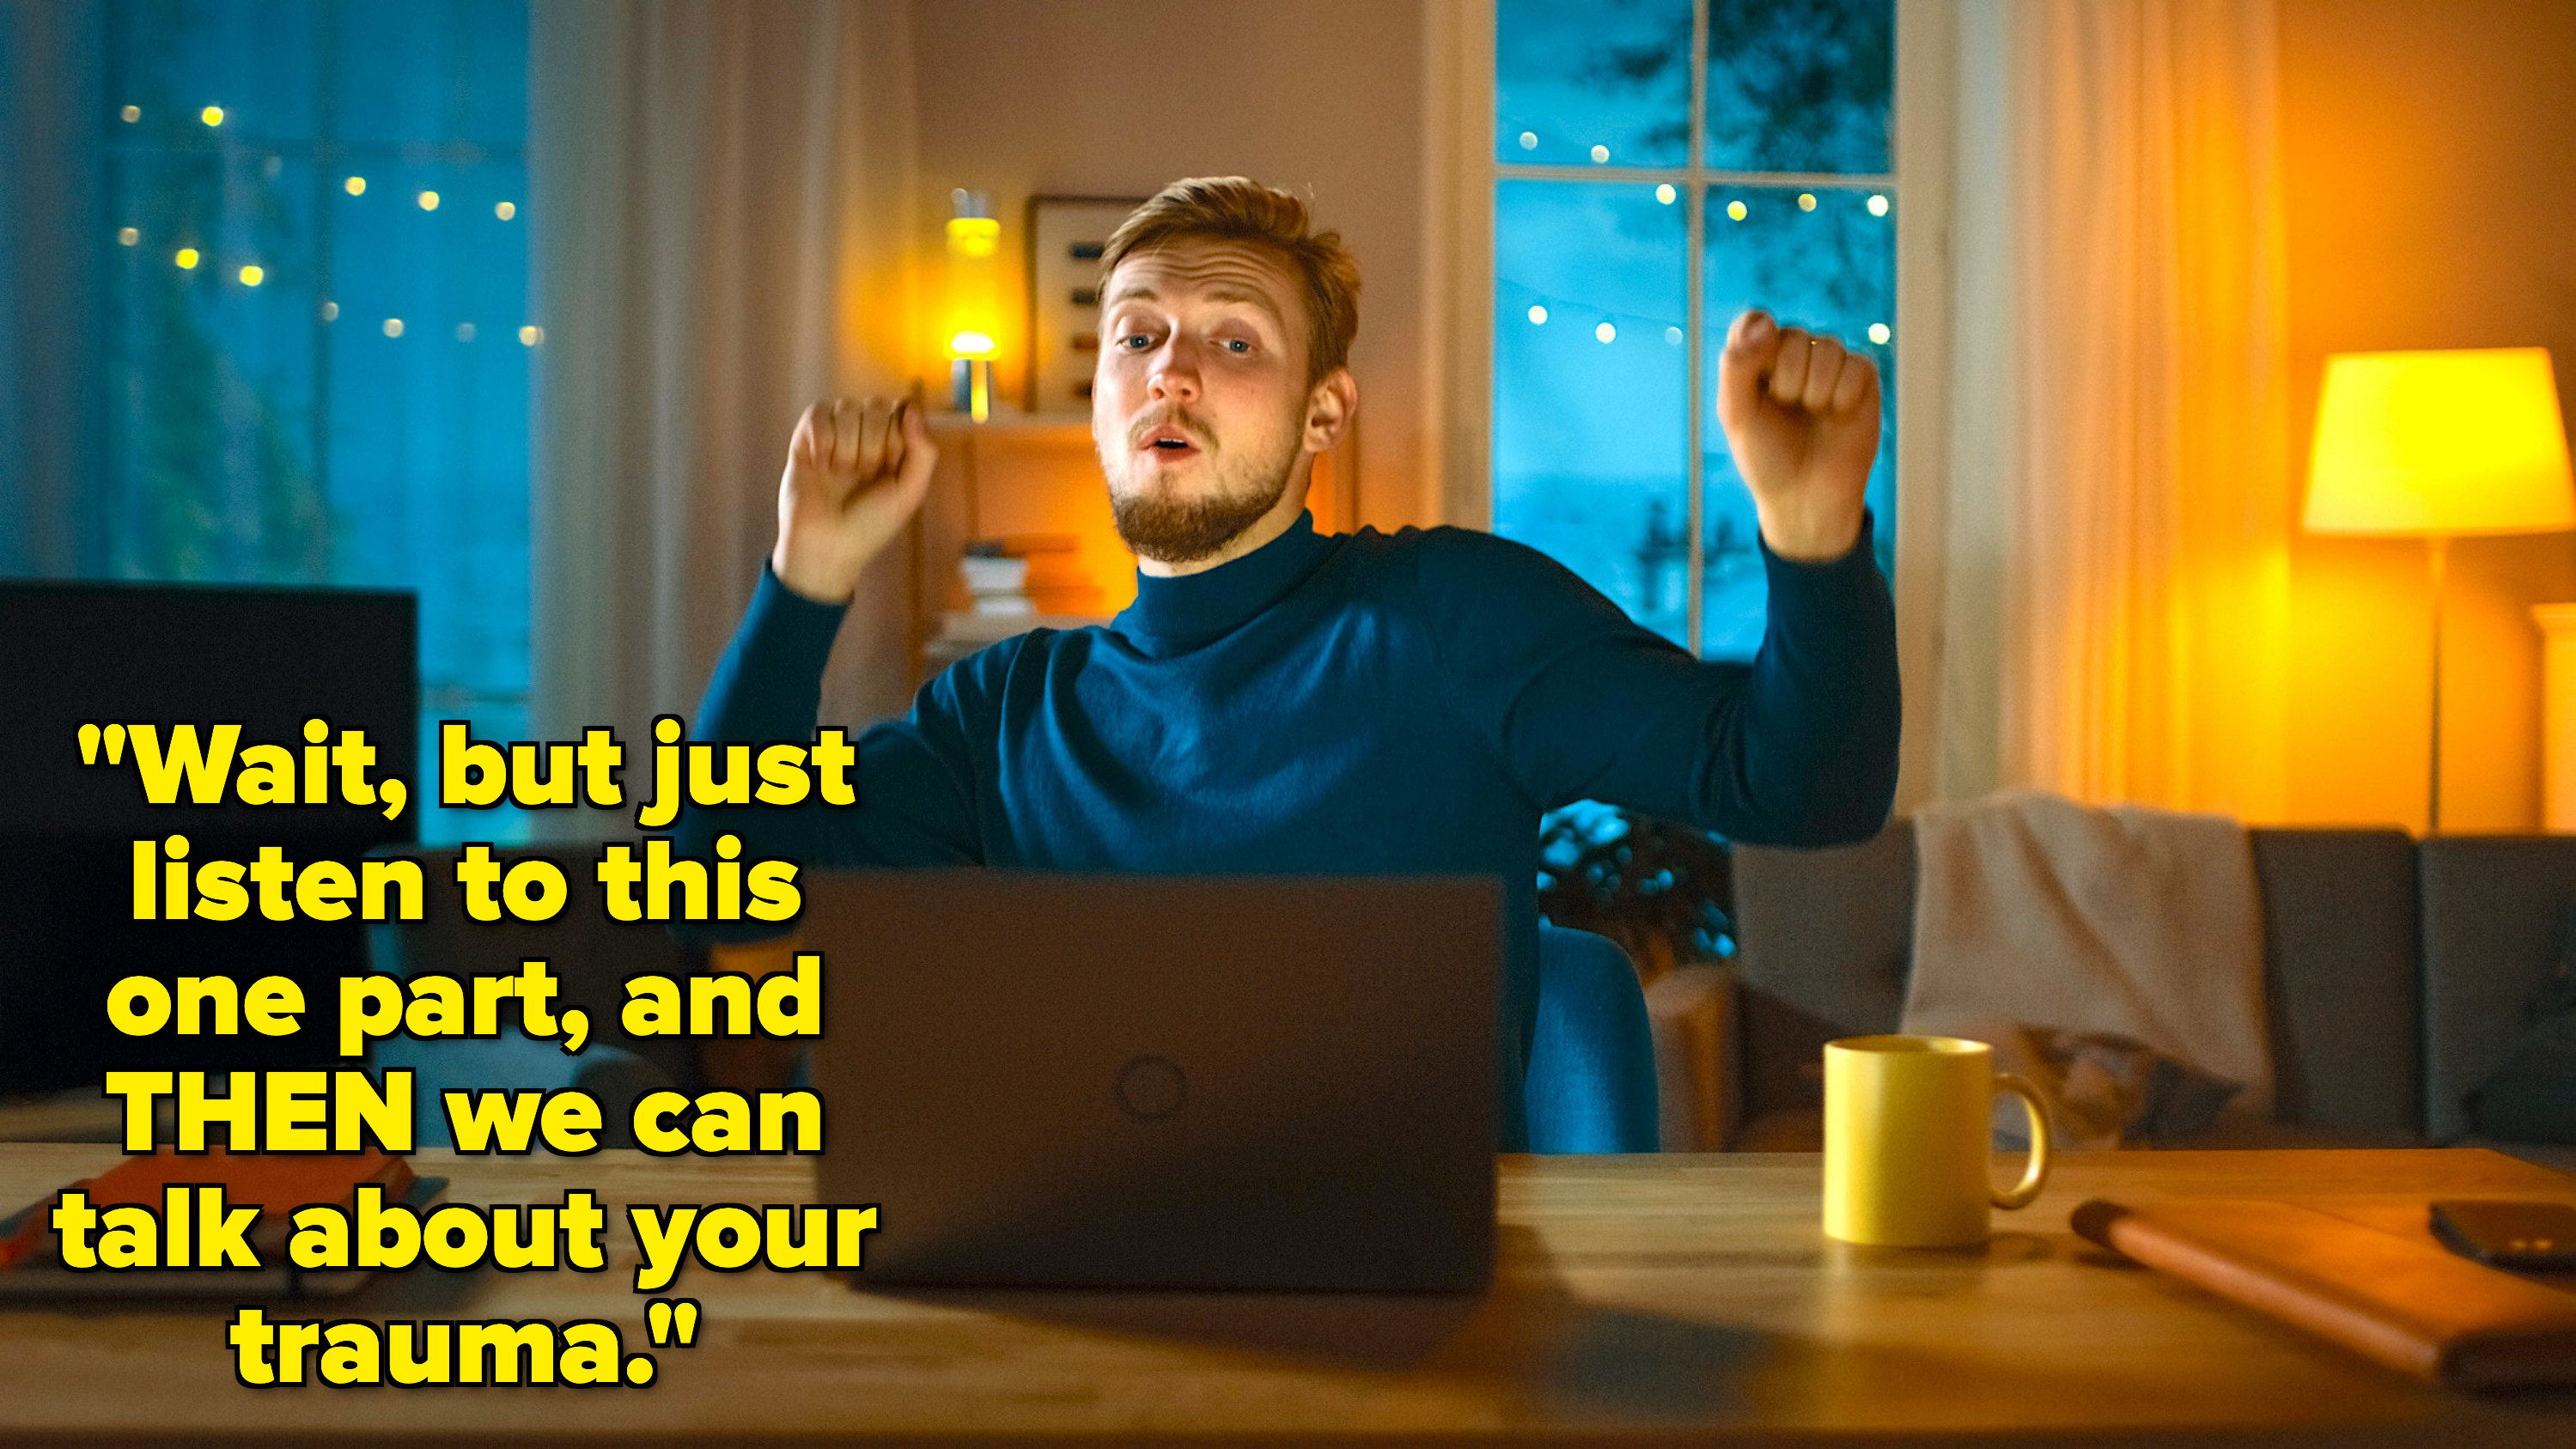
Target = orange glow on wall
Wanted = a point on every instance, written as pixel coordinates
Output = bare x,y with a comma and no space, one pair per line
2426,166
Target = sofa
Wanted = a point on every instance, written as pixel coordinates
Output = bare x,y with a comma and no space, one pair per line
2399,974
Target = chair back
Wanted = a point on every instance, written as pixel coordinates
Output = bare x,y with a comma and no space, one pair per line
1590,1086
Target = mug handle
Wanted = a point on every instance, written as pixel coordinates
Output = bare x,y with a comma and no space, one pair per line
2034,1176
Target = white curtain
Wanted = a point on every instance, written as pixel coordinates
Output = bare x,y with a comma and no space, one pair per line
722,196
2120,424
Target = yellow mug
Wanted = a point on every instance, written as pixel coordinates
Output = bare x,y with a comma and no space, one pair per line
1907,1140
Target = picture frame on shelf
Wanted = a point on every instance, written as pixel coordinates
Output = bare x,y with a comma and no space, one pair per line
1065,236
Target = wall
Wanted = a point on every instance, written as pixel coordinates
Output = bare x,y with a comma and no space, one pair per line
2431,168
1323,97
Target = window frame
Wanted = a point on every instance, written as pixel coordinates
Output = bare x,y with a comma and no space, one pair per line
1458,237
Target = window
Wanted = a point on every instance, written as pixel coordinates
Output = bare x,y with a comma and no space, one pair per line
1659,166
319,341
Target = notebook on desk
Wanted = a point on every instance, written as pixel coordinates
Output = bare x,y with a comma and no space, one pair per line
1121,1081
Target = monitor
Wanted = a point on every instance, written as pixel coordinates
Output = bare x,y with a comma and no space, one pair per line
267,658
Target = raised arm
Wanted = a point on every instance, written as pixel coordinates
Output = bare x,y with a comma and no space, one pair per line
855,472
1798,747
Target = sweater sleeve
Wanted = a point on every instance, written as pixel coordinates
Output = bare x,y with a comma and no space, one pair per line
914,779
1796,748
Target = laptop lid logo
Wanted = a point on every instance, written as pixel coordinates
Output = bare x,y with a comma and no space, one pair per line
1151,1088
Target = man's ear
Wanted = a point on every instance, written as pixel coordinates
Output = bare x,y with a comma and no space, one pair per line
1329,406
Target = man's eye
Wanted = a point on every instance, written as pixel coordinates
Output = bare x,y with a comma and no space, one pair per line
1237,345
1135,341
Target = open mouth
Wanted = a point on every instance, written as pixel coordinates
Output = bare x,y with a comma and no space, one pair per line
1167,439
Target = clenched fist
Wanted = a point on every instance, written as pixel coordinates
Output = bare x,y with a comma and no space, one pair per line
1801,418
856,470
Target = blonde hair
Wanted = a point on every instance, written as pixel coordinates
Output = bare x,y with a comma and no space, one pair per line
1236,208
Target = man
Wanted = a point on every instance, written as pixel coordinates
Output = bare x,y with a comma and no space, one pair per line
1282,701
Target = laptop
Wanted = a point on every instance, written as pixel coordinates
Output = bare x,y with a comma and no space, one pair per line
1131,1081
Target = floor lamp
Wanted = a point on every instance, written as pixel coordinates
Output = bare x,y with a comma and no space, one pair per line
2436,445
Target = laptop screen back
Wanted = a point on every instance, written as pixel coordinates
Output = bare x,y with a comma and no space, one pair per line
1160,1081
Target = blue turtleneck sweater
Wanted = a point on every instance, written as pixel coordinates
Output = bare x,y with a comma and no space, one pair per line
1363,703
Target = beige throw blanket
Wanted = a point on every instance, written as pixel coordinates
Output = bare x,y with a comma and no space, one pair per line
2038,913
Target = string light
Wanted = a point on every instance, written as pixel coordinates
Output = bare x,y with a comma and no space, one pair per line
429,201
330,311
505,210
127,236
212,115
1600,155
1806,201
1529,140
530,336
464,331
1877,205
1735,211
355,186
253,275
393,327
187,259
131,114
1606,324
1879,334
1664,193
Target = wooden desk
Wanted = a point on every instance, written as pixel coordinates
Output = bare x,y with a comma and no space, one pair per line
1653,1298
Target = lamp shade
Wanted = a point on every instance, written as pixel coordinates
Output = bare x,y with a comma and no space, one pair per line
2440,443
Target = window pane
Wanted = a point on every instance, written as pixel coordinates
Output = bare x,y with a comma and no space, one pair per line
1590,383
429,433
1824,260
252,60
211,378
1590,82
432,76
355,411
1800,85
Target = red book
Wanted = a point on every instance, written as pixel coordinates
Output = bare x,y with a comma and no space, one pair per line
276,1183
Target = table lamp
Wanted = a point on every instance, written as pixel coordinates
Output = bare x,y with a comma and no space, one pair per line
974,237
2434,445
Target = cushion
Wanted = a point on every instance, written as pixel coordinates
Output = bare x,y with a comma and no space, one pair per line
2532,1097
2492,912
2344,995
1823,942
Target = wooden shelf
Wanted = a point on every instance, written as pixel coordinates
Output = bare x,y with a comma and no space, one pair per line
1042,479
958,626
1016,426
960,633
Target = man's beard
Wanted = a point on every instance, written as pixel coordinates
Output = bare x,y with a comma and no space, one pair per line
1178,530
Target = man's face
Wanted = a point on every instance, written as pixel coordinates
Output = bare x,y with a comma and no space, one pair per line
1199,402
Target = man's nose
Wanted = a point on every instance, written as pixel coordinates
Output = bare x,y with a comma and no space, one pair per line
1174,376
